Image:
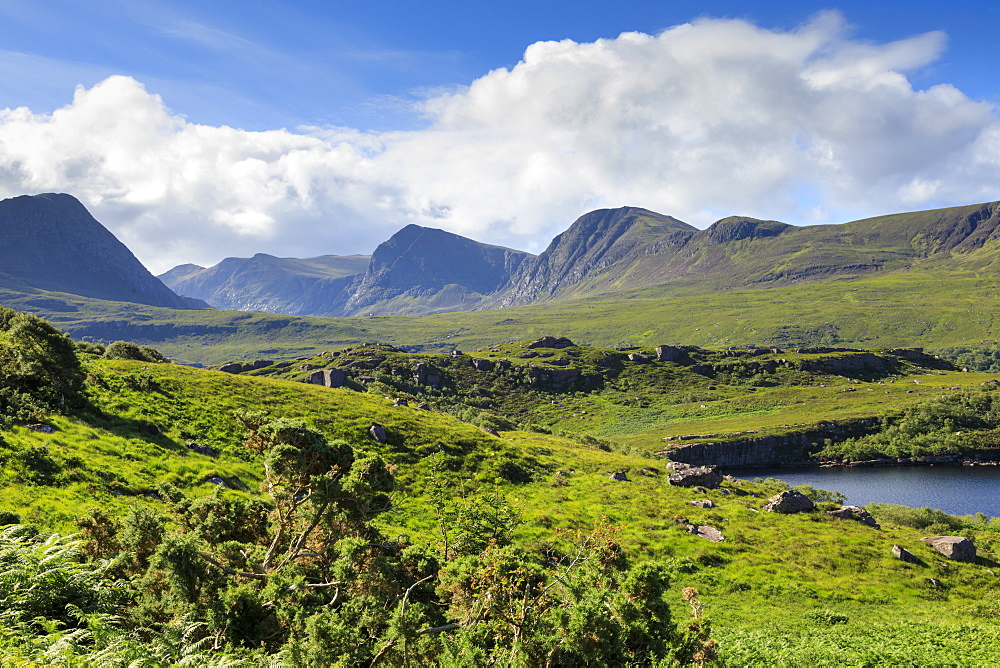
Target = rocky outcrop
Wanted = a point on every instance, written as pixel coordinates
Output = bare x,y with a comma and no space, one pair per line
903,554
855,513
696,476
669,353
551,342
790,448
553,379
737,228
242,367
789,501
956,548
329,377
482,364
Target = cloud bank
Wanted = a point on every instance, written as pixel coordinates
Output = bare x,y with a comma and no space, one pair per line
704,120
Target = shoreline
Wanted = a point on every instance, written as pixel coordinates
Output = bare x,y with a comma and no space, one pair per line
887,462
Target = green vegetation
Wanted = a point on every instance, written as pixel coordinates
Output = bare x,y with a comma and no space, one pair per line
967,423
252,518
972,357
938,308
38,367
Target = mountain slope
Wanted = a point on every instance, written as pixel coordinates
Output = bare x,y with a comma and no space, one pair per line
422,270
51,242
611,251
267,283
603,242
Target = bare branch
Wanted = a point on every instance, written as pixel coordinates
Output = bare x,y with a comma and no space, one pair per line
232,571
439,629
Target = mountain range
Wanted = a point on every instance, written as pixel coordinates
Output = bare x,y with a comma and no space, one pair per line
51,243
420,271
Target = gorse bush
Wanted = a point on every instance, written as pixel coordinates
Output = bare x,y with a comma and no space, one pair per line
124,350
39,370
303,576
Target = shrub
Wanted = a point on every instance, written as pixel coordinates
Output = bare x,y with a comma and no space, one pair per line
125,350
825,616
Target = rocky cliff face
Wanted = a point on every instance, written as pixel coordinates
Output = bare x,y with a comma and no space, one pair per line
424,270
51,242
594,244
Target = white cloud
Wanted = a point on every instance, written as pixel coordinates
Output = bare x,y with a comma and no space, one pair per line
706,119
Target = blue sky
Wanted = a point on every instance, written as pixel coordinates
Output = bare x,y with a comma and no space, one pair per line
264,65
198,130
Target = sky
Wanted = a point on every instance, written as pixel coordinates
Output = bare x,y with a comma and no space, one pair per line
196,131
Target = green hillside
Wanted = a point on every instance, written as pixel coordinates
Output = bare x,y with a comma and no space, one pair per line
933,308
252,517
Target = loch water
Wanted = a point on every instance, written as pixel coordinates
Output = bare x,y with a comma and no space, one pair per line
958,490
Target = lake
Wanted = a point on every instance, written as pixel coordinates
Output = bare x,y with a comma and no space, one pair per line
959,490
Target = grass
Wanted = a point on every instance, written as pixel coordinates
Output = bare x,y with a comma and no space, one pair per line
943,307
762,586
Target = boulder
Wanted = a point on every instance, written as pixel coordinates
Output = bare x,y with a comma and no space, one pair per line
329,377
234,367
854,513
696,476
619,476
956,548
482,365
708,533
704,503
551,342
202,449
42,428
789,502
668,353
378,432
903,554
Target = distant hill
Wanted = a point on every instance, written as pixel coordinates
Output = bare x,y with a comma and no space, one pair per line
51,242
421,270
417,271
267,283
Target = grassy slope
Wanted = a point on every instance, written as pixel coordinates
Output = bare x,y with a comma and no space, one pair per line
770,572
640,403
882,310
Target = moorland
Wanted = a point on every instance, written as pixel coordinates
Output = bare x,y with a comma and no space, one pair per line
496,487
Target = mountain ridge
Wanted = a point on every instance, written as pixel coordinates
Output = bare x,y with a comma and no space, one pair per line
421,270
